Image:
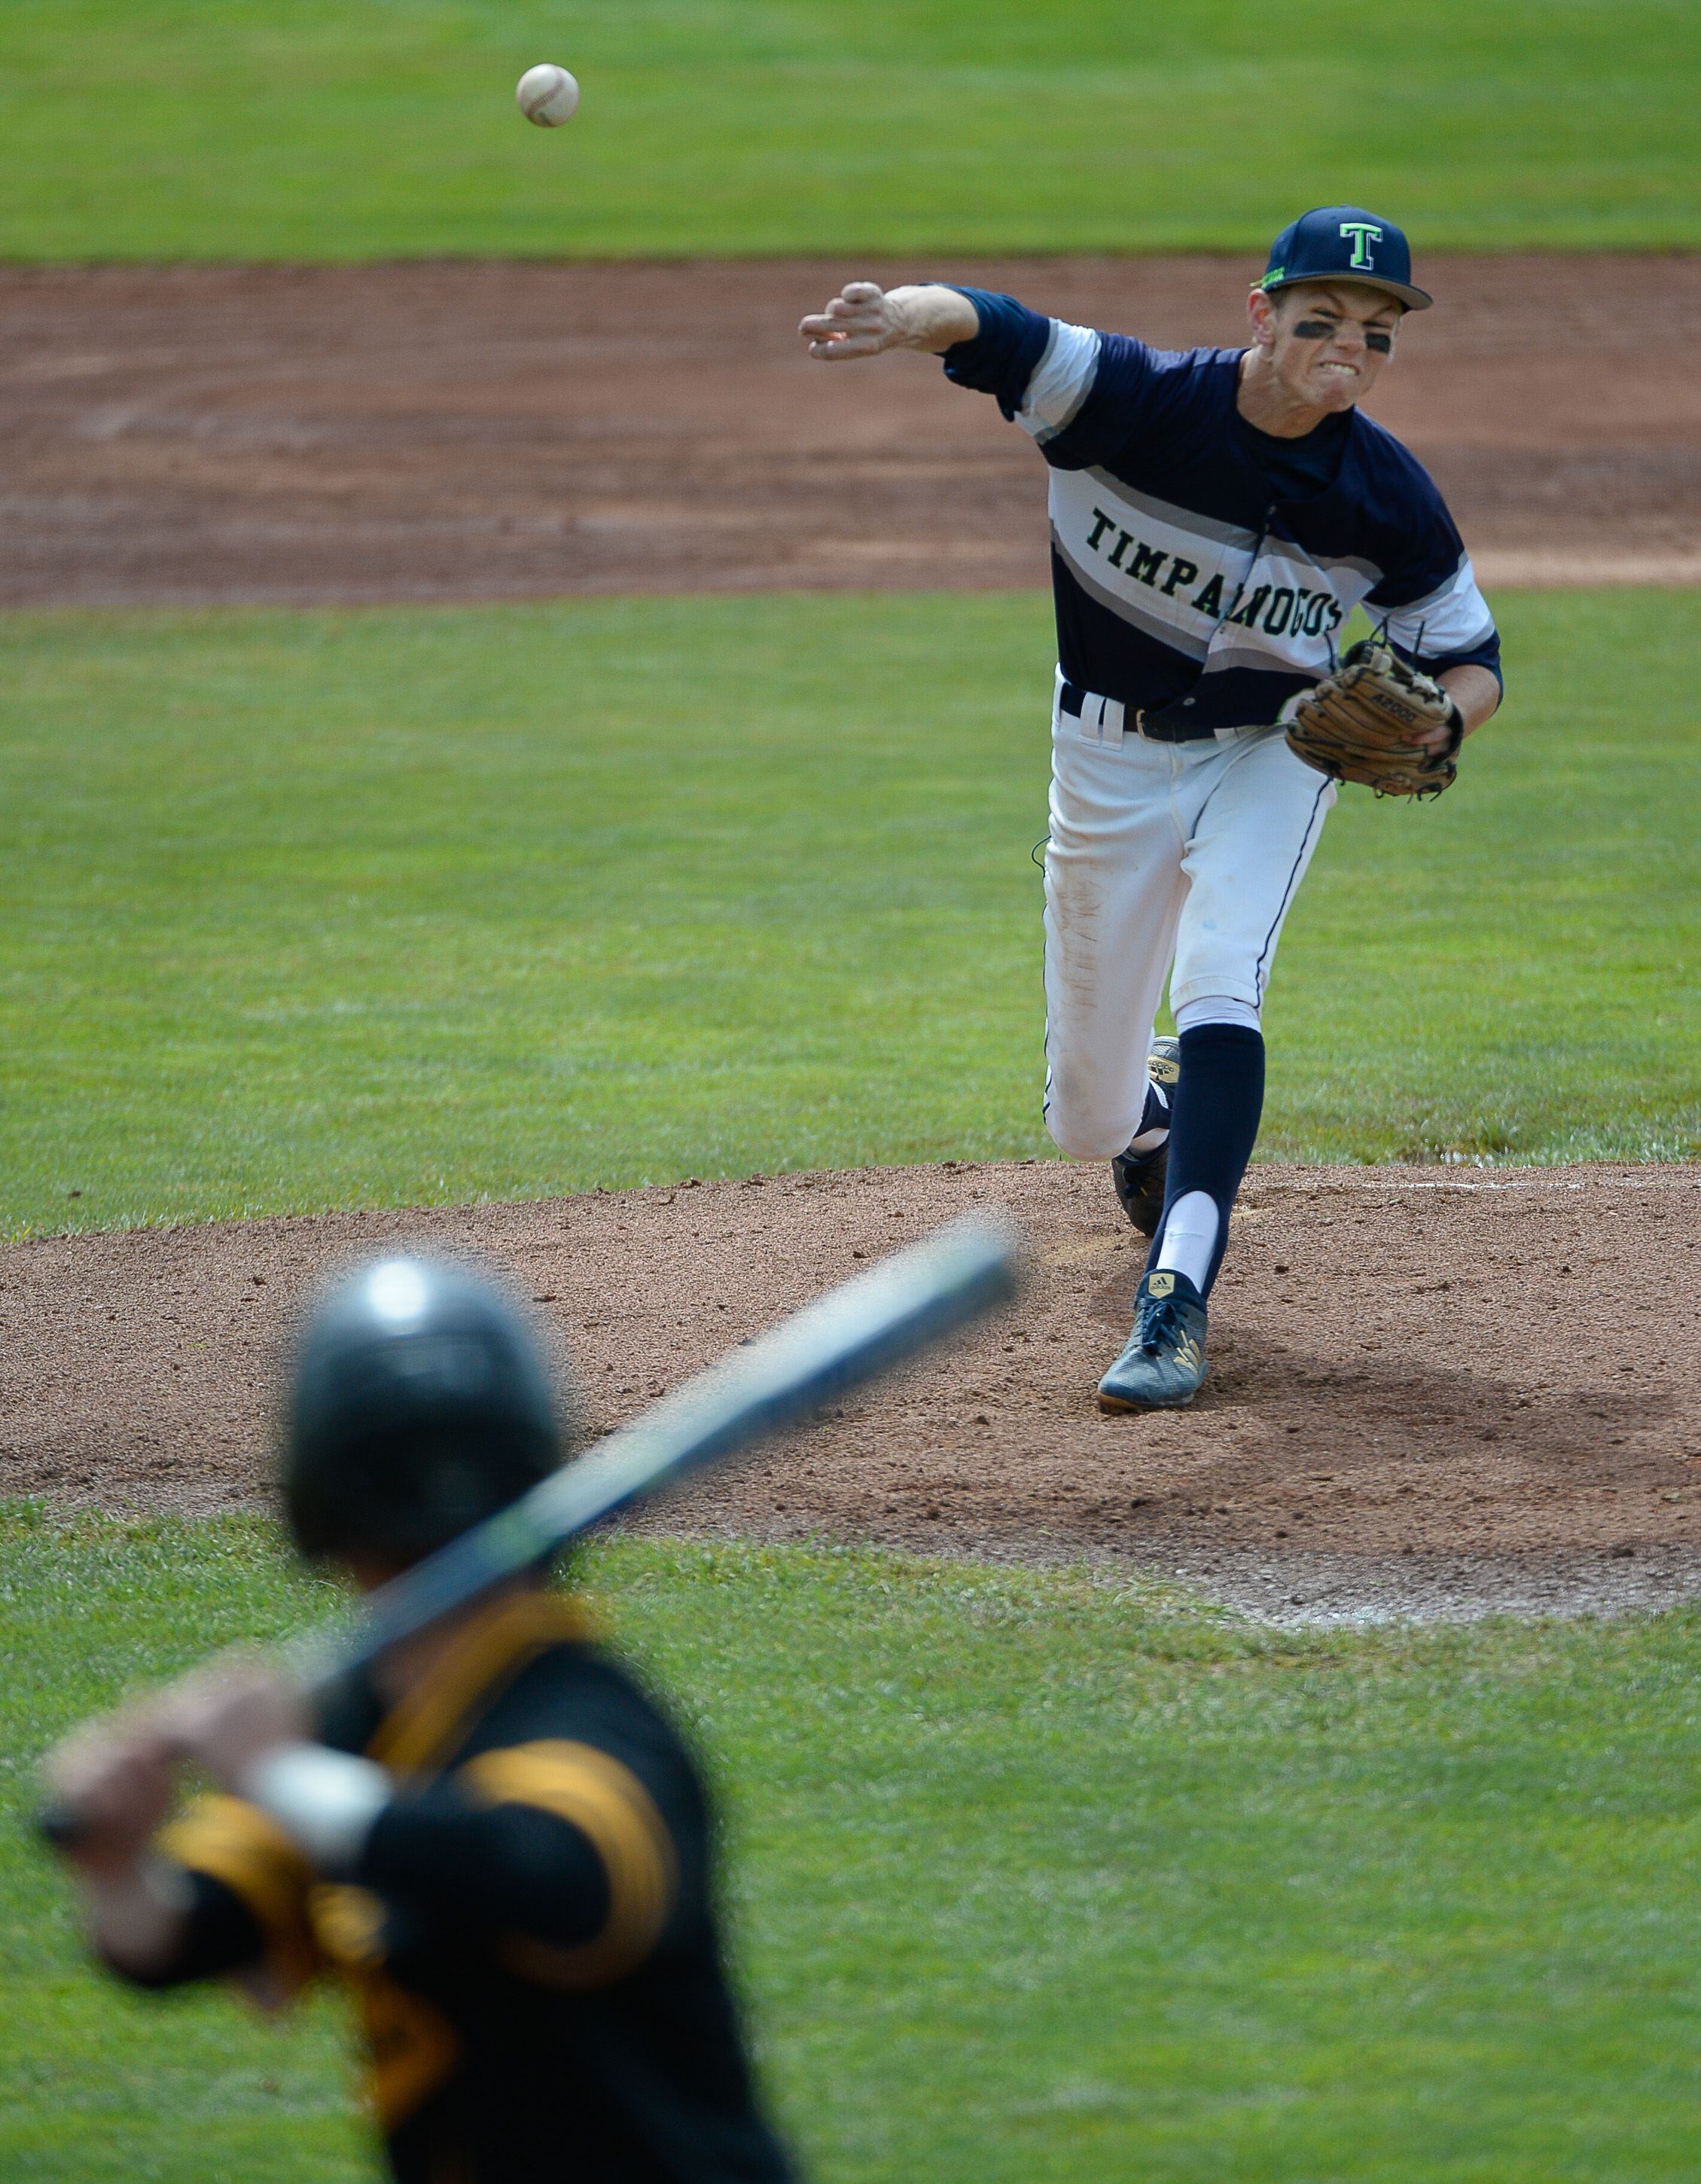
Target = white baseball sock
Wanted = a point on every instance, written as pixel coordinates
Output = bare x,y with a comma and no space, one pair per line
1190,1238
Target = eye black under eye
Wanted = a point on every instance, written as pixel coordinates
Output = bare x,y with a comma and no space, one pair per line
1376,337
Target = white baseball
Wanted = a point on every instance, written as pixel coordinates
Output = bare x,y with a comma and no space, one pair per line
547,95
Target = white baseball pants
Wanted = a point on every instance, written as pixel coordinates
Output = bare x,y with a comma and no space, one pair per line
1161,854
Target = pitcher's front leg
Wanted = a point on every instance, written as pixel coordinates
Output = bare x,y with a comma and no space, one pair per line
1251,845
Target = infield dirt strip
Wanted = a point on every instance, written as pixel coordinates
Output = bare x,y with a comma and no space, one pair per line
462,431
1498,1406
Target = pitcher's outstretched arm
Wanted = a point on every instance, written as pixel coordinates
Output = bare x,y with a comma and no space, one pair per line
864,319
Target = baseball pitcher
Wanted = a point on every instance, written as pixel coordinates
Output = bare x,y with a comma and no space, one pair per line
1216,514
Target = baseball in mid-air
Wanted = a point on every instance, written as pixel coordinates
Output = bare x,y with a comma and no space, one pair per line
547,95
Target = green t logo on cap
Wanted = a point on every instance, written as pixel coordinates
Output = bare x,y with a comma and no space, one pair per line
1362,232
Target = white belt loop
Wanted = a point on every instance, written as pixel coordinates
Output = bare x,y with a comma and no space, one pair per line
1101,719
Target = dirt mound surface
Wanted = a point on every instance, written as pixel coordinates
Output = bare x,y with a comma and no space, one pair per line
465,432
1431,1393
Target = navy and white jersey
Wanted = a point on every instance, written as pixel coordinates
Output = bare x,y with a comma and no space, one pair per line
1185,584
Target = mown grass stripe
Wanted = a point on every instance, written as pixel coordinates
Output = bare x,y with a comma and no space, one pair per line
407,906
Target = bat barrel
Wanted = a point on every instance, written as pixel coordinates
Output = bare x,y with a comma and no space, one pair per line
865,1328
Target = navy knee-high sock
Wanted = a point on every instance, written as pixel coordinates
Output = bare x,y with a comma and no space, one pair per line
1215,1107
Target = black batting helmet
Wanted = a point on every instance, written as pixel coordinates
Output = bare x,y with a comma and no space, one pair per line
422,1404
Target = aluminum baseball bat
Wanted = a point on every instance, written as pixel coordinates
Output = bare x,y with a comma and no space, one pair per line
866,1327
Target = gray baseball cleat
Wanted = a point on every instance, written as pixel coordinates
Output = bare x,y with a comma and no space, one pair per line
1140,1178
1164,1366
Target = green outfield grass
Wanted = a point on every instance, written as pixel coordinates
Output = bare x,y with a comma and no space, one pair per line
1037,1879
349,129
345,909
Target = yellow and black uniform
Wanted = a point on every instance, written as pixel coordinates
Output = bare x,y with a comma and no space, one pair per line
530,1933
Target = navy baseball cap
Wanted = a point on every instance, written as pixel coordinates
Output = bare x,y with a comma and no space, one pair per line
1344,243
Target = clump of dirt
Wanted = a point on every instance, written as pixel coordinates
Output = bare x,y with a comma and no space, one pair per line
1432,1392
312,435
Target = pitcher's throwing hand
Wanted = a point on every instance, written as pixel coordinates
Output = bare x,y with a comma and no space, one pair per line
861,319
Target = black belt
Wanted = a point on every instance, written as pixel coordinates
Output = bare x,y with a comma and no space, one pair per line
1136,720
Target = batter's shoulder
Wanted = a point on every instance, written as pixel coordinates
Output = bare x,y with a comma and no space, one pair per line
584,1693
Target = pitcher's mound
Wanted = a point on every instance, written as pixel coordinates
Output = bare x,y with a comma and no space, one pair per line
1429,1390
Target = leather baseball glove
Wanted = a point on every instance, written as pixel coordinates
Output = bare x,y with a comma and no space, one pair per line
1358,723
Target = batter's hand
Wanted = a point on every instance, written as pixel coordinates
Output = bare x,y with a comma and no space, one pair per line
224,1717
864,319
119,1776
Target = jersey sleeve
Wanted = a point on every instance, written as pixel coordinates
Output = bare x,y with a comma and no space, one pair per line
555,1847
1002,358
247,1911
1040,370
219,1938
1080,393
1432,607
